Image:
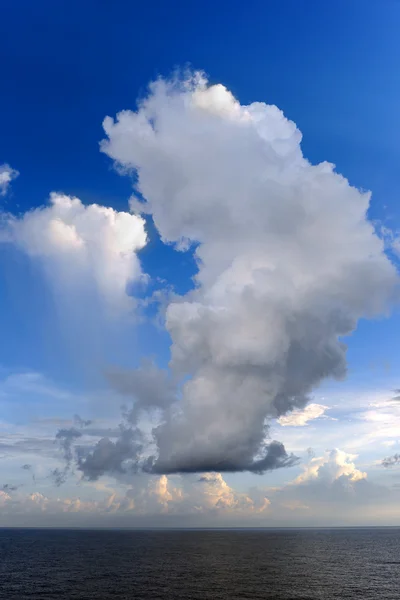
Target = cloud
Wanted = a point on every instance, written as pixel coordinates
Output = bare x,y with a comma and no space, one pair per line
332,490
216,495
391,461
66,439
29,468
83,249
207,496
7,174
37,503
9,487
288,262
79,422
299,418
156,495
84,265
331,467
112,457
210,496
149,387
32,383
35,445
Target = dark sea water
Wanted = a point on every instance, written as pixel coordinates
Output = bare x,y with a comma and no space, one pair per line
222,565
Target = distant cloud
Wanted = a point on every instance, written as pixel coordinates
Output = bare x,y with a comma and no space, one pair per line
391,461
331,488
7,174
211,497
330,467
299,418
9,487
79,422
65,439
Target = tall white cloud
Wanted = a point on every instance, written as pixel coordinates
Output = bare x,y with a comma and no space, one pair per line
7,174
288,263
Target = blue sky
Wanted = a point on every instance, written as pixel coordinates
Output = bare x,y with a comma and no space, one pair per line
65,67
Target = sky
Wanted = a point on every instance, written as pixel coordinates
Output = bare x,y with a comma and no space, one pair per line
199,256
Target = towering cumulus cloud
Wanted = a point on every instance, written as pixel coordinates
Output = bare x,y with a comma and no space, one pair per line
288,262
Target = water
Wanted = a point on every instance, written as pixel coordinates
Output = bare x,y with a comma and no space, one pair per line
219,565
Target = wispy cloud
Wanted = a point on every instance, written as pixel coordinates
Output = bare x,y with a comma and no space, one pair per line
7,175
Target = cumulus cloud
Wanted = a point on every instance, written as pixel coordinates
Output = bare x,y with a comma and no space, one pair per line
210,495
333,490
215,494
7,174
287,263
334,465
299,418
207,497
37,503
331,482
83,249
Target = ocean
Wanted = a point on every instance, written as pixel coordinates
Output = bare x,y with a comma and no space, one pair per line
305,564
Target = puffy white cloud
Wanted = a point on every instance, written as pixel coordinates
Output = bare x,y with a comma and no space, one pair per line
331,467
36,502
332,490
155,495
213,493
7,174
299,418
84,249
288,263
207,497
4,498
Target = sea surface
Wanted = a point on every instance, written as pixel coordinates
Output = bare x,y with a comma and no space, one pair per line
200,564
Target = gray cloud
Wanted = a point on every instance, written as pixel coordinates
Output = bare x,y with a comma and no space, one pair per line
28,467
391,461
8,487
274,457
99,432
288,263
149,387
65,439
120,456
79,422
